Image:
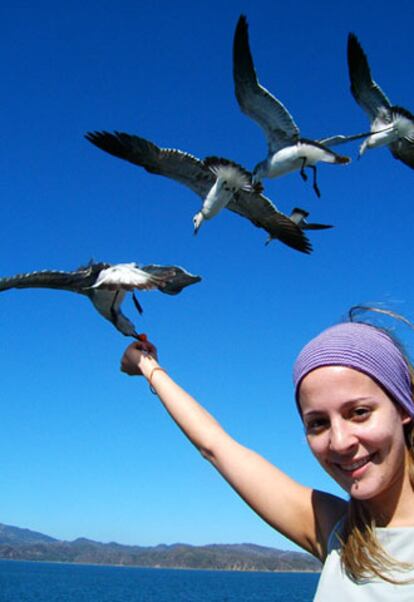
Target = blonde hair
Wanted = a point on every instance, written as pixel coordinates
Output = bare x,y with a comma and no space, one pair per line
362,555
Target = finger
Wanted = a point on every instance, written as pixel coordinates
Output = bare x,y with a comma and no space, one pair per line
135,346
151,348
129,369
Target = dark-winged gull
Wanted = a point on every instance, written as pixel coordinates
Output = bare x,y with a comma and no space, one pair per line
287,151
391,125
106,286
219,182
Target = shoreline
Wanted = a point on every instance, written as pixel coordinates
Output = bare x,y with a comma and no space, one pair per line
160,568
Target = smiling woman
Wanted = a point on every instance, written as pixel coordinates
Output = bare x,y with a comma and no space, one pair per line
354,393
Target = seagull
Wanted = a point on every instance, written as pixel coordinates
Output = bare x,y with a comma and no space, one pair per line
287,151
216,180
391,125
106,286
219,182
298,216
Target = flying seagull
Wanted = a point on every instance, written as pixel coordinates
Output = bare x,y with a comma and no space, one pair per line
106,286
287,151
391,125
299,217
219,182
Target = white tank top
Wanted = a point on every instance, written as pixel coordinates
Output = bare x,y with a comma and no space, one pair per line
335,586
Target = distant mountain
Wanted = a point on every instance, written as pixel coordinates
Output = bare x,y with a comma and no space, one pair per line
15,535
23,544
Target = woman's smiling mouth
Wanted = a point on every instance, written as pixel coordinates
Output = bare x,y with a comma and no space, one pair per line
352,468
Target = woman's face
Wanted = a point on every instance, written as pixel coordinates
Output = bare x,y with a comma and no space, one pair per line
355,431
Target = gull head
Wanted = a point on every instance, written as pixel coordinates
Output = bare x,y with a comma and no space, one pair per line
363,148
197,221
124,325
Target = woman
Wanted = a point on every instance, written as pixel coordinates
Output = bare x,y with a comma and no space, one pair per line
354,393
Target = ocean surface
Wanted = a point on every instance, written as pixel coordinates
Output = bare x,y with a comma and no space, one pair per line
50,582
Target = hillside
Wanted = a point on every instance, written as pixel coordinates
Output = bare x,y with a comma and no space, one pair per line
23,544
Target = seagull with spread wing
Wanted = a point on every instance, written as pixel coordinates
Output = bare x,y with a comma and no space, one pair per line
287,151
299,217
391,125
219,182
106,286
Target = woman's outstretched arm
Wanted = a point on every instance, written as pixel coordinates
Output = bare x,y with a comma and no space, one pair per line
301,514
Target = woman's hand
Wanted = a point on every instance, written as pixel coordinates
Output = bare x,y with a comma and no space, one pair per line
139,358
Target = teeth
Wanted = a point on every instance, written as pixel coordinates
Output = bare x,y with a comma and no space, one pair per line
355,465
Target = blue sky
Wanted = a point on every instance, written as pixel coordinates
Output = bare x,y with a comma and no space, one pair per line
87,451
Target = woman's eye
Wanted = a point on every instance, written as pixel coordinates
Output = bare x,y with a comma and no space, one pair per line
360,413
313,427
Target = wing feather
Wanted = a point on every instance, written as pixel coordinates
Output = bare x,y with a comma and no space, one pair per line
263,214
175,278
403,150
72,281
171,163
342,139
254,100
364,89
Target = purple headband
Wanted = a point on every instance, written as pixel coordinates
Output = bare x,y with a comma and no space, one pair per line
364,348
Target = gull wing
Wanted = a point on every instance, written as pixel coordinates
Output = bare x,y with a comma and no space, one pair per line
254,100
342,139
263,214
403,150
76,281
106,302
175,278
364,89
311,226
299,217
171,163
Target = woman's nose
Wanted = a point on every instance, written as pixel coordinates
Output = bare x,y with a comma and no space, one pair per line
342,439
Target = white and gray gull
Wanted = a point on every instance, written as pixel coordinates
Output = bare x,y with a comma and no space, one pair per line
287,151
391,125
106,286
219,182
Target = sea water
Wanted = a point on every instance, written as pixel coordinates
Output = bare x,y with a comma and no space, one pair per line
52,582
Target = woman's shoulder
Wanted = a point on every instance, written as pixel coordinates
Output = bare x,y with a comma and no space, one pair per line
329,510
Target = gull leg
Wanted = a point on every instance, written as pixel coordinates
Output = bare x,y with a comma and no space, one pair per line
315,184
137,303
302,170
